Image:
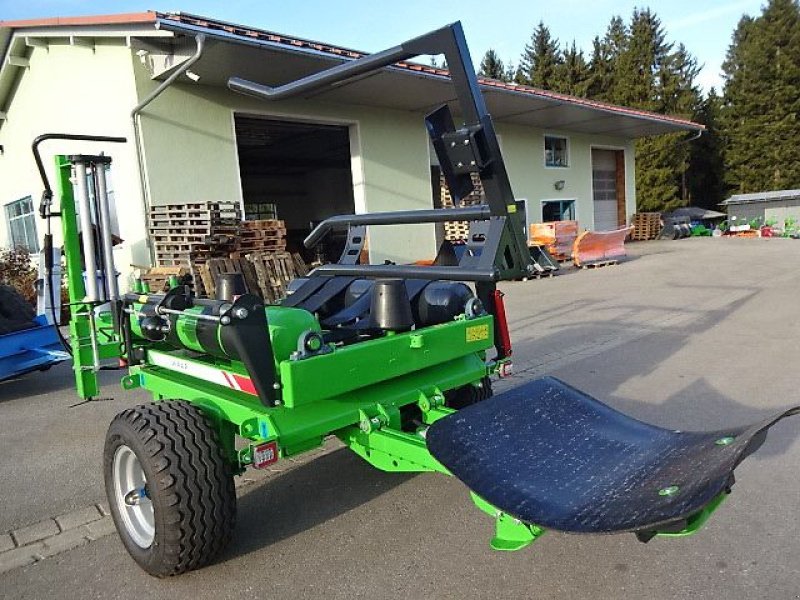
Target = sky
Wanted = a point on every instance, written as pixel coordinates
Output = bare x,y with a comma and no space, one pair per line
704,26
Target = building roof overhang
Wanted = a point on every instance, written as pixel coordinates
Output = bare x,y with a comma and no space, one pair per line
272,58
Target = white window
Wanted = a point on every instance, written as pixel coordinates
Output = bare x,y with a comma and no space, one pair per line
21,220
556,151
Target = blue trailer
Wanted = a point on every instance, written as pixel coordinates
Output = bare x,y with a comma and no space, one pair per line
36,348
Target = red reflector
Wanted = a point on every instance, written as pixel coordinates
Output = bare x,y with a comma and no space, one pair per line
265,454
504,337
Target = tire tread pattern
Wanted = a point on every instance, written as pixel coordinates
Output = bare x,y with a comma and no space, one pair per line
192,489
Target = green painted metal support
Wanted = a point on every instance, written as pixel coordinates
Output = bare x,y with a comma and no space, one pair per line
696,522
391,450
510,533
69,227
80,326
83,325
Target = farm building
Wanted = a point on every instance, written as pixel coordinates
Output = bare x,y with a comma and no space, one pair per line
342,151
777,206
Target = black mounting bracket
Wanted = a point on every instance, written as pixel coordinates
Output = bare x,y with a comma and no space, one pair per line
470,148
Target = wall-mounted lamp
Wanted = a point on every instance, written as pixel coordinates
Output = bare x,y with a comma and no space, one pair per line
192,75
559,185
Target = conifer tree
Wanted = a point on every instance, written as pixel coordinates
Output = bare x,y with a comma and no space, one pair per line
761,100
492,67
540,59
601,71
604,61
571,75
706,174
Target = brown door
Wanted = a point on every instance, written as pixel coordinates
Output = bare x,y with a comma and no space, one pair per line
608,189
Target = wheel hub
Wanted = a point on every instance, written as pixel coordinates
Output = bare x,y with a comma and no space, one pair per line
132,497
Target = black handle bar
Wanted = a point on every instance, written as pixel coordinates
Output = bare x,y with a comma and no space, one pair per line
424,44
479,212
48,192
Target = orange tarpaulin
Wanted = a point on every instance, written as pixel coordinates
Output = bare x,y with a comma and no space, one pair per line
598,246
557,237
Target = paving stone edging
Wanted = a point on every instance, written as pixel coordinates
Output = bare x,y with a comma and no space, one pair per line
35,542
32,543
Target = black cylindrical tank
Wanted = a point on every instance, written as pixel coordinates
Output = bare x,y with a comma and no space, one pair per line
441,302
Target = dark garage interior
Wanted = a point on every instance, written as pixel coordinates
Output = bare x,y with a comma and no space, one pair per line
298,172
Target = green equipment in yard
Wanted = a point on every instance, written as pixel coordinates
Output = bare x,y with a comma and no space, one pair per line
394,360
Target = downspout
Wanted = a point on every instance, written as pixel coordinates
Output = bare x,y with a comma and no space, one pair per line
200,39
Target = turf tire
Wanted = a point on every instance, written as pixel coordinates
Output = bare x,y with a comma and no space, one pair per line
189,483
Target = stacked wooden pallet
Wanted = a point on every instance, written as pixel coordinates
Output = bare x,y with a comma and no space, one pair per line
263,234
274,271
646,226
266,274
459,230
189,234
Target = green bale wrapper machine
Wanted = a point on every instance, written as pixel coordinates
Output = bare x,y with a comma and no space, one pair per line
393,360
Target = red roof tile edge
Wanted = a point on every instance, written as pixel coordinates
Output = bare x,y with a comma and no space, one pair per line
125,18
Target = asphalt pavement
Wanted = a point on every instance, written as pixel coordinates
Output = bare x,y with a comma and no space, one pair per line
690,334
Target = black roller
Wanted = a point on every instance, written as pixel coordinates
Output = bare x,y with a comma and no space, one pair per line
441,302
391,309
357,289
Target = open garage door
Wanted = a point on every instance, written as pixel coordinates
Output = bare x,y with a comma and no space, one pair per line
298,172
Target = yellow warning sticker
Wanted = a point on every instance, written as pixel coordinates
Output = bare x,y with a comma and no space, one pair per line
476,333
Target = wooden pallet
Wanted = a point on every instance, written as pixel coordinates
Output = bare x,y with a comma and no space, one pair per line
266,274
263,234
476,197
646,226
459,230
200,224
263,245
274,270
456,230
157,278
598,264
268,224
184,237
229,209
214,267
182,262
